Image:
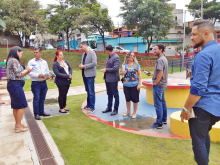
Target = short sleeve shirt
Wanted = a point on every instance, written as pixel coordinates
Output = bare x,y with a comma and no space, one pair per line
14,69
131,76
161,64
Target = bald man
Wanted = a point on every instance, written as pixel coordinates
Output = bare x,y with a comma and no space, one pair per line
204,97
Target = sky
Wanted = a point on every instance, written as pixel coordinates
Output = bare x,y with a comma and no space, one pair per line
114,8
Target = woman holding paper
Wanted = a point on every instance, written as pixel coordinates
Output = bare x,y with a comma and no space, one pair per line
131,73
63,72
15,76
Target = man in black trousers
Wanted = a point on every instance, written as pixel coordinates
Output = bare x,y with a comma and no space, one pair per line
112,77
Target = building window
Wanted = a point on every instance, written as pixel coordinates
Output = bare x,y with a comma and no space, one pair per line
176,19
178,32
218,36
78,35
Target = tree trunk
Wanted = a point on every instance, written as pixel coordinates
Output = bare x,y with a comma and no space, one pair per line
148,46
103,40
67,38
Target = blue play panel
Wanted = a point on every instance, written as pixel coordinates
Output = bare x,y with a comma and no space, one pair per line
144,109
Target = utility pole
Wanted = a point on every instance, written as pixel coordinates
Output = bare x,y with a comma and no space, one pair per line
118,34
201,9
36,37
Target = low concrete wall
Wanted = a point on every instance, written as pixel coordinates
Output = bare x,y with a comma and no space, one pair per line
13,40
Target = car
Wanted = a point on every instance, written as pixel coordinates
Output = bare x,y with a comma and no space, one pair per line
79,49
120,49
65,47
46,47
151,50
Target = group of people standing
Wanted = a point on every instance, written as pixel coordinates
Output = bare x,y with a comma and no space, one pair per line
204,95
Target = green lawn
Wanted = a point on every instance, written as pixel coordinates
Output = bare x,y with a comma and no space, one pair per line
82,140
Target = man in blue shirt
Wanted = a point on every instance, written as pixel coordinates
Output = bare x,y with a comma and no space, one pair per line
204,95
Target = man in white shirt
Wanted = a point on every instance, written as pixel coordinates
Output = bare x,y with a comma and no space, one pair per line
39,75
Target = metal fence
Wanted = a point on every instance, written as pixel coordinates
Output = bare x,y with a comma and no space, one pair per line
174,65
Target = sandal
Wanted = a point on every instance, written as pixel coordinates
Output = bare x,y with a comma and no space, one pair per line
134,115
126,114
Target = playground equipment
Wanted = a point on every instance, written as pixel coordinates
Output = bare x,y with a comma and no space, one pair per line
2,69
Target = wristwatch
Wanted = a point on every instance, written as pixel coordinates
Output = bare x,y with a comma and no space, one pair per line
185,110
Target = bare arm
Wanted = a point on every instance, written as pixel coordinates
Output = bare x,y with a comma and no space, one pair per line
159,76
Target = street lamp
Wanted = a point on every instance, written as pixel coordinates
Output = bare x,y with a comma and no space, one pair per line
7,44
36,37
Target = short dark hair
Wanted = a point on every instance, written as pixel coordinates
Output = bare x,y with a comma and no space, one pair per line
13,53
84,43
109,47
161,46
204,23
38,49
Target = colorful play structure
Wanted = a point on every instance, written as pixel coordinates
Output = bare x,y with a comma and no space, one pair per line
2,69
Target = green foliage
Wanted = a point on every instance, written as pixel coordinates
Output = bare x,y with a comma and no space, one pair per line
152,18
60,17
210,9
21,15
179,47
93,18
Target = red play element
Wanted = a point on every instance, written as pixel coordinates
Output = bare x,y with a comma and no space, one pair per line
129,129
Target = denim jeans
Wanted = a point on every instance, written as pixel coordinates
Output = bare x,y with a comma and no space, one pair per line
160,104
39,90
90,89
199,131
112,90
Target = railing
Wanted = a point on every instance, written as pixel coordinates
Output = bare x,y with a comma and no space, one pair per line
174,65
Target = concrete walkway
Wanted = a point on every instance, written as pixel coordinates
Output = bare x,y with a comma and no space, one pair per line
19,148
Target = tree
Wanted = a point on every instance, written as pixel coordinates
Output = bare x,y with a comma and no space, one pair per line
60,17
210,9
179,48
93,18
22,17
152,18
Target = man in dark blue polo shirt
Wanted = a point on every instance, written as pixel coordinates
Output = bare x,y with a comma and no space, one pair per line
204,95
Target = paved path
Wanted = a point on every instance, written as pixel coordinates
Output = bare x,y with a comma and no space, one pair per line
19,148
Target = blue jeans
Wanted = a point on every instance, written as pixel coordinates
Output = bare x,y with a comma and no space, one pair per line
199,132
112,90
39,90
90,89
160,104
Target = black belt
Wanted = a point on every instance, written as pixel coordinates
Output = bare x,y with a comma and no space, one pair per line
40,81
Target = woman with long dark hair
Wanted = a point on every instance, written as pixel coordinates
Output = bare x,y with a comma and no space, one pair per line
63,72
15,76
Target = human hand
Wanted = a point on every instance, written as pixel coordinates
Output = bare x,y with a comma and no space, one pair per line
184,116
122,72
40,76
81,66
70,76
138,87
103,70
47,78
189,73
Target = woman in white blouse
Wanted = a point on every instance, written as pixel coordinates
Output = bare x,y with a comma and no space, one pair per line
63,72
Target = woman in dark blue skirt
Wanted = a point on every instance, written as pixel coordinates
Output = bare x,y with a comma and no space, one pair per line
15,76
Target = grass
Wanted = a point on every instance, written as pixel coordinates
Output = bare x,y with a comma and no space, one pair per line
82,140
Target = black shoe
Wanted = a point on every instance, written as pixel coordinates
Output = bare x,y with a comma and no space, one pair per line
37,117
62,111
45,114
66,109
115,112
83,108
164,122
107,110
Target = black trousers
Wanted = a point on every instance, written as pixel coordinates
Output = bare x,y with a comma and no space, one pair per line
112,90
63,90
